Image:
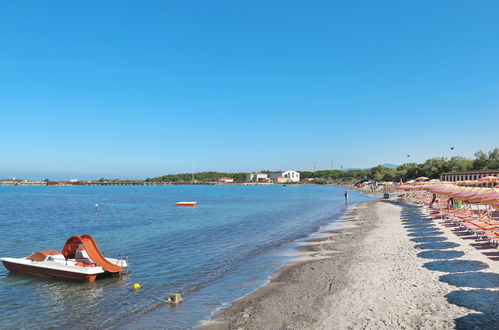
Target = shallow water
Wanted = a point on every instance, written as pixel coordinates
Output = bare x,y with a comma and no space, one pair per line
213,254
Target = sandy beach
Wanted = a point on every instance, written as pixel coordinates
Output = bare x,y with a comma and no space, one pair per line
388,266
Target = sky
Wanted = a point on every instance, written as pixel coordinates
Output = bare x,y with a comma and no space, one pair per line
136,89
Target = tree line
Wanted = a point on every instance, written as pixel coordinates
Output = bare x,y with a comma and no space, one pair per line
199,177
431,168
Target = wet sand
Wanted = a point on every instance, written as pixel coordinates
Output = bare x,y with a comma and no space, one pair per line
373,273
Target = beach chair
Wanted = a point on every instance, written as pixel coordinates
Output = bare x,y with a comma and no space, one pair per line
493,238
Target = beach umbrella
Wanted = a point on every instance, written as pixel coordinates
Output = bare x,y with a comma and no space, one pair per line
444,189
411,187
465,183
479,197
473,193
491,198
488,178
471,183
463,193
421,178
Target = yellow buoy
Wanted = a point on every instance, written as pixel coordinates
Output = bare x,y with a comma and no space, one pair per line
136,286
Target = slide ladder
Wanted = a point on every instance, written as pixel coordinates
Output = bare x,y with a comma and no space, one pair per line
93,252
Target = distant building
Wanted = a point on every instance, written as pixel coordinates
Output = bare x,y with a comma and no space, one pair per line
8,182
66,183
470,175
21,182
257,177
226,180
290,176
280,179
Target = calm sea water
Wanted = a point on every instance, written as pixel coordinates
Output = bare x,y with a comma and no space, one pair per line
213,254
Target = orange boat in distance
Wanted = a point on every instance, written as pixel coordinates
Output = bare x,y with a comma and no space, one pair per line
187,204
80,260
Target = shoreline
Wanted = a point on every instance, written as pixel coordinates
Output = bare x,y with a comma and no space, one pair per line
369,273
243,312
304,252
292,251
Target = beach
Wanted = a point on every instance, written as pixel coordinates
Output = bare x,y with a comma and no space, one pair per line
388,266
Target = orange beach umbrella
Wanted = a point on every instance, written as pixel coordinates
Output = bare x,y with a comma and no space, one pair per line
479,197
463,193
488,178
491,198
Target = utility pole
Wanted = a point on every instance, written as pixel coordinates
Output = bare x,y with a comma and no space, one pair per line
315,167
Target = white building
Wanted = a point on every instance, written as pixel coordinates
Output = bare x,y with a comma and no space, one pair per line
280,179
291,176
21,182
226,180
257,177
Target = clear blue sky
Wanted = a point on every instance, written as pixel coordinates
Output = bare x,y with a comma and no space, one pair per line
143,88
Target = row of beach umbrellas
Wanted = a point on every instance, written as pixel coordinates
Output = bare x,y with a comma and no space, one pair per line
486,196
484,180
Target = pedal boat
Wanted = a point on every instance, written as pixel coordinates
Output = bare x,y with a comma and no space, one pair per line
187,204
80,260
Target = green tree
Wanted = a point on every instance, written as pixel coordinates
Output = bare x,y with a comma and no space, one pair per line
493,159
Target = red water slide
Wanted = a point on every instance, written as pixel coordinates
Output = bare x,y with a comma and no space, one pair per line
93,252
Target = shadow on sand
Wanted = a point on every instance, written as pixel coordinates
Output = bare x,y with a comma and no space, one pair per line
461,273
425,234
429,239
455,266
484,301
423,231
437,245
419,226
438,254
478,280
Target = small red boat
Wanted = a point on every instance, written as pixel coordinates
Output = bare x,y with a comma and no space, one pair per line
80,260
187,204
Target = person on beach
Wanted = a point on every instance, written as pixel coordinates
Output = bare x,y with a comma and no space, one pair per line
450,203
433,200
346,196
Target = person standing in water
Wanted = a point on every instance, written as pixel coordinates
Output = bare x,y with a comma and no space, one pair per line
346,196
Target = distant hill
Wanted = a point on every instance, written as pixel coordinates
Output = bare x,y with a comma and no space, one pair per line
388,165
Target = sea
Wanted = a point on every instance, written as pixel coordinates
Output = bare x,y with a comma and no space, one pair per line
213,254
